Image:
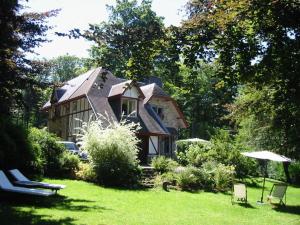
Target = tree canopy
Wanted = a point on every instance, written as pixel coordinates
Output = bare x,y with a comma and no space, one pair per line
19,34
130,42
257,44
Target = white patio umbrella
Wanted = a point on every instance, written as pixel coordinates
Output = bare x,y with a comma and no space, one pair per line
266,155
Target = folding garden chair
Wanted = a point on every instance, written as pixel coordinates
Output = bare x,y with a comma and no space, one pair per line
278,191
239,193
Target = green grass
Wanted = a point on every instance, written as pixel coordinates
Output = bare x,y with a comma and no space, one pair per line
85,203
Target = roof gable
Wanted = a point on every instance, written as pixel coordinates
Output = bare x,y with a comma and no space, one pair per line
121,88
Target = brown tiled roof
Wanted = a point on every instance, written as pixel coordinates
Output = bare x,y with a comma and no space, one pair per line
151,90
98,85
73,88
119,89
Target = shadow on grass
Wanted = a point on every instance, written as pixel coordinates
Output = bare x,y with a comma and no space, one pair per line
291,209
11,211
12,216
246,205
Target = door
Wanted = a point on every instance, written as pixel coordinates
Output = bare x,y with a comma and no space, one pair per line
143,149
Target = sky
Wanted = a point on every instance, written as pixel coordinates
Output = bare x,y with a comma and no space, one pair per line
81,13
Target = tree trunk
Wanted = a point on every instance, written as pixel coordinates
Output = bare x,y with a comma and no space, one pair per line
286,171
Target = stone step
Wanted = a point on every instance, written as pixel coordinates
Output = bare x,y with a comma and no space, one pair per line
147,176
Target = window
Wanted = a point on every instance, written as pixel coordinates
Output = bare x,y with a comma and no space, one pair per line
129,107
159,111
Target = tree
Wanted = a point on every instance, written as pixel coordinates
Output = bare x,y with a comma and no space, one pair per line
202,99
19,34
256,43
66,67
130,42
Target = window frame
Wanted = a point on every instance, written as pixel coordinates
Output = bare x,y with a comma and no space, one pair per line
156,109
128,100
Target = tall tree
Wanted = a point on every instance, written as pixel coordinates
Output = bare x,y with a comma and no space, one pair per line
202,99
66,67
256,43
19,34
130,42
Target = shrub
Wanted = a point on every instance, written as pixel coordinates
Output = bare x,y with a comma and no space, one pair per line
169,177
294,170
162,164
50,151
16,151
183,146
86,172
69,164
222,149
112,150
187,179
276,171
198,154
223,176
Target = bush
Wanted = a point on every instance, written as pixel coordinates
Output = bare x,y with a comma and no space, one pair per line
169,177
69,164
198,154
222,149
162,164
16,151
294,170
51,151
86,172
223,176
183,146
112,150
187,180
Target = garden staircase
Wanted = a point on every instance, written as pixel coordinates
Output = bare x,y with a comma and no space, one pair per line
148,175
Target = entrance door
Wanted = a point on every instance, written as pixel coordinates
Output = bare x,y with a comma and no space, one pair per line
144,149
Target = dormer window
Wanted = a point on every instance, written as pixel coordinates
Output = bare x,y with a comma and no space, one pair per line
129,107
159,111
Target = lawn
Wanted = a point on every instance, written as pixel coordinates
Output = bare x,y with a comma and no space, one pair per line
85,203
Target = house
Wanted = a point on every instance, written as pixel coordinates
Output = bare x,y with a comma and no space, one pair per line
99,92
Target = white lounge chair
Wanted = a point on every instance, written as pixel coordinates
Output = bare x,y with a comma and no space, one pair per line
5,185
23,181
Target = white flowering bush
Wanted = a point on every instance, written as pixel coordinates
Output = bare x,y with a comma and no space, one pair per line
112,149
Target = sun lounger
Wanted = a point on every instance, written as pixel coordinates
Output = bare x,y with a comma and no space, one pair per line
5,185
21,180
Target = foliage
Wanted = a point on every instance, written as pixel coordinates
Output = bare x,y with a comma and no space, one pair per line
256,43
201,97
163,164
197,154
129,43
50,151
20,34
112,148
223,148
66,67
17,151
69,164
186,179
211,176
182,147
169,177
294,169
86,172
223,176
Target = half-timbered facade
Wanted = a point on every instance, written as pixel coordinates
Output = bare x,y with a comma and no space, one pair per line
99,92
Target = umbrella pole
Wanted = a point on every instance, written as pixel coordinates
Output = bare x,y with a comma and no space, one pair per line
263,188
